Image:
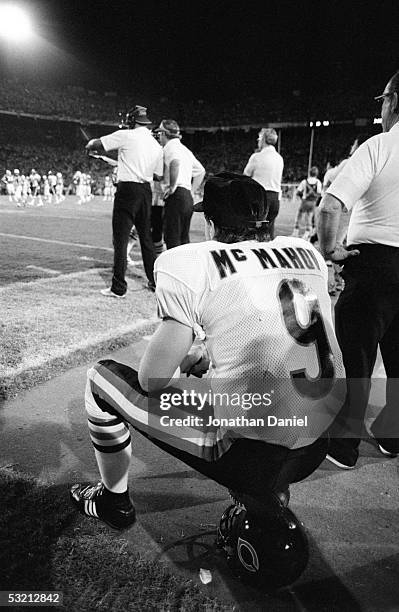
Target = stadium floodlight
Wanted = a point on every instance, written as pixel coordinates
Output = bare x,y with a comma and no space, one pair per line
318,123
377,120
15,23
326,123
311,124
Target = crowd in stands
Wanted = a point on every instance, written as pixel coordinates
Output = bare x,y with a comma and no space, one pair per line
57,144
89,105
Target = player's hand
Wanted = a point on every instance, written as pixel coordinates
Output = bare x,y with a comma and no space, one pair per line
196,362
340,253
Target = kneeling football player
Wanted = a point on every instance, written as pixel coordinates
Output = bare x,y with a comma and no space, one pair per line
252,317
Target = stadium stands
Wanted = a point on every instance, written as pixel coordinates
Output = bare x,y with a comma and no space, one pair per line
50,139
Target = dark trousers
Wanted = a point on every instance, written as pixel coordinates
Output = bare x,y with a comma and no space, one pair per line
132,206
251,467
254,467
274,206
177,217
367,316
157,213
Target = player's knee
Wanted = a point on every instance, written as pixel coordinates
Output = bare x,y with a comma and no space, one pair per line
93,393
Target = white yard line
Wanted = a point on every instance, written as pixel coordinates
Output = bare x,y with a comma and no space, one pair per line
134,281
13,287
47,270
86,258
79,218
73,244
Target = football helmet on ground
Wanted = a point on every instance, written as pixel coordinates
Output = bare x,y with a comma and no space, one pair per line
265,551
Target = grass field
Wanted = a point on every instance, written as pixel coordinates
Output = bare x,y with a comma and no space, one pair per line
44,549
53,262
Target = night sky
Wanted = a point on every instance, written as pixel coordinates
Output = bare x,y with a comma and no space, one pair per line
216,50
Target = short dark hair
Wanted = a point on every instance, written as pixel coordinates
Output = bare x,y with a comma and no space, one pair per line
240,234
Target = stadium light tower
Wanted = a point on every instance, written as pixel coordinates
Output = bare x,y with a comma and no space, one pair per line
15,24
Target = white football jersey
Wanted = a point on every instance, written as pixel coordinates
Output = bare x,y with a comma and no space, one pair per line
264,313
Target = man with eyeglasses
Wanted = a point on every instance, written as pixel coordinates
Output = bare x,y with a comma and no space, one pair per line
367,311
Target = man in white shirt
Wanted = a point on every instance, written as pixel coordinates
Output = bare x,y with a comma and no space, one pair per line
139,158
266,167
182,174
367,312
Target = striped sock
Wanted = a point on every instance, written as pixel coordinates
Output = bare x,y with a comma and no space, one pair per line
113,450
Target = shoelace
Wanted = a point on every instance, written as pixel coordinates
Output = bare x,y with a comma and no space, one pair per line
90,492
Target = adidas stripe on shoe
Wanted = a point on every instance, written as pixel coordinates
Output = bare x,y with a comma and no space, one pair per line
90,501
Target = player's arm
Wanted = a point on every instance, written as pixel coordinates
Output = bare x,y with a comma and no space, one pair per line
329,217
165,352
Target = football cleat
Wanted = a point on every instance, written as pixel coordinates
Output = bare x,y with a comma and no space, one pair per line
342,454
90,501
386,452
265,551
383,450
109,293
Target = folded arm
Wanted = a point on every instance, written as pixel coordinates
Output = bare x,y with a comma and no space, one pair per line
165,352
